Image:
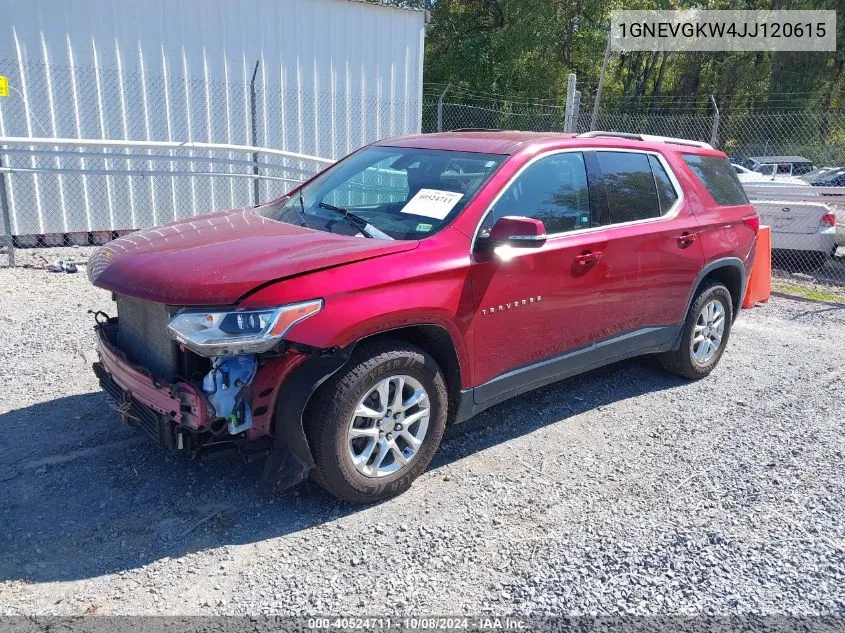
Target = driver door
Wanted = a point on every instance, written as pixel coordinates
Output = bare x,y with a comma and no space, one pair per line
540,302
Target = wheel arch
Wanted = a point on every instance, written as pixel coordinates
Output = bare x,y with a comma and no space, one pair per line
437,342
290,459
729,271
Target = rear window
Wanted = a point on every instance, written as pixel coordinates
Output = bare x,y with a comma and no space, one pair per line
717,175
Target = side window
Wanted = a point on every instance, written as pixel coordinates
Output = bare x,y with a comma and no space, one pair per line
717,176
630,185
553,190
666,194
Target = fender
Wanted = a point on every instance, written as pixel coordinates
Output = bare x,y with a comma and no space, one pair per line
391,322
317,334
290,459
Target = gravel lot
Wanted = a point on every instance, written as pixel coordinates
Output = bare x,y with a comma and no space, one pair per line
622,491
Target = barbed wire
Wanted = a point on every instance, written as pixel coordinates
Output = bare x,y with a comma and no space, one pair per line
775,101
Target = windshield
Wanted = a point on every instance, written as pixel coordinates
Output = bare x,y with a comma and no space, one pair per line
402,192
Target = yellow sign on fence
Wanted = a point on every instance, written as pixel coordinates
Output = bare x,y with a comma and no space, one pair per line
4,86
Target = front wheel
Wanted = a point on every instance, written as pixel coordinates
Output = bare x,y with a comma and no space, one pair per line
375,426
705,334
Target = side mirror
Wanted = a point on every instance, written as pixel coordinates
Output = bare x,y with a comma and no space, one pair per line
518,232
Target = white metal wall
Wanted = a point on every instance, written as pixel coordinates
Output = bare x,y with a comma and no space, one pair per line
332,75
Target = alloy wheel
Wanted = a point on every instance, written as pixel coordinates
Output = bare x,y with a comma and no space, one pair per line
708,331
388,426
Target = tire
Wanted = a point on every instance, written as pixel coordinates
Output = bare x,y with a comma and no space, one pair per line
329,418
683,361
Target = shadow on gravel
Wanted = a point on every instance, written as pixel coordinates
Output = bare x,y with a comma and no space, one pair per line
85,496
556,402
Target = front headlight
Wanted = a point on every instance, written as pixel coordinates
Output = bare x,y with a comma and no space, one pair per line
228,332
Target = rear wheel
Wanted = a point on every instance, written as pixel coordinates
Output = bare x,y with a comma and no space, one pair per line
705,334
375,426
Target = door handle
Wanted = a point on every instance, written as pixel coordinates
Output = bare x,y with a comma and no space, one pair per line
588,257
685,239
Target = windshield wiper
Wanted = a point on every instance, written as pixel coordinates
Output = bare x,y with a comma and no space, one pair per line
367,229
301,209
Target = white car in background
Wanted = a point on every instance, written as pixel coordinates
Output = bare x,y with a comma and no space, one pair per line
757,177
803,230
780,165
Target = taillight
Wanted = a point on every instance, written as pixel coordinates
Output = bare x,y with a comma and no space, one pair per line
829,219
752,223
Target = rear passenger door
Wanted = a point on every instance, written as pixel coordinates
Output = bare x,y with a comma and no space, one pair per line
653,254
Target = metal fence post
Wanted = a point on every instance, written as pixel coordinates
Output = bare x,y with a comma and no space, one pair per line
7,219
253,134
440,107
714,132
570,103
595,116
576,108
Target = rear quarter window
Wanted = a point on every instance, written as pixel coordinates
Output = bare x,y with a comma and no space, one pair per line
718,177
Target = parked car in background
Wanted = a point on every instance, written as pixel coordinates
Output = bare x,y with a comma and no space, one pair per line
781,165
803,230
739,169
831,177
757,177
742,161
417,282
821,172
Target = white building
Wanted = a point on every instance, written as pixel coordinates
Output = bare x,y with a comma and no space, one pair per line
329,76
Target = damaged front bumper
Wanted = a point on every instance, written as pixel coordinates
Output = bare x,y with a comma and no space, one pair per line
157,409
181,417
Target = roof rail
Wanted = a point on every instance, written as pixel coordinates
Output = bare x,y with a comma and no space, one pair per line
475,129
647,137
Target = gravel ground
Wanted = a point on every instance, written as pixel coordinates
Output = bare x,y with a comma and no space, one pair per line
624,490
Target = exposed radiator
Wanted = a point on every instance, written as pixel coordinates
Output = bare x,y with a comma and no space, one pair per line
142,336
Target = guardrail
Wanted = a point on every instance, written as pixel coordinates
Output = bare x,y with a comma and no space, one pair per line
60,191
25,141
790,191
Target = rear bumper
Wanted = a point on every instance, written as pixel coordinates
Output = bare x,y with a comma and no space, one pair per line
822,241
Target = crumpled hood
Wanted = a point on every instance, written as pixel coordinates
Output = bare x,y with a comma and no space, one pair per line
216,259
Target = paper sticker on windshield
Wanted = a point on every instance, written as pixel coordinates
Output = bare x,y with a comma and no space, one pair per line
423,228
432,203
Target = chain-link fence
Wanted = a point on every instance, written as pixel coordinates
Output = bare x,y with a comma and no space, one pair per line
792,163
59,192
65,194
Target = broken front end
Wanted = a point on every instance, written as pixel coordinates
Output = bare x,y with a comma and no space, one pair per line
205,381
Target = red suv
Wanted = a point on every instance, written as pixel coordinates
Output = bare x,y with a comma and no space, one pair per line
336,331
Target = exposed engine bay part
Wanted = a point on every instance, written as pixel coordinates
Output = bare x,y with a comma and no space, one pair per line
226,386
